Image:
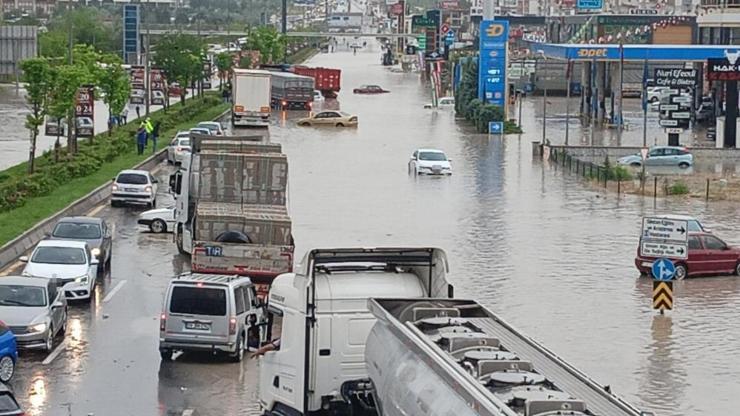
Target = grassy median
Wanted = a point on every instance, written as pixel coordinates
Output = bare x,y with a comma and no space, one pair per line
120,153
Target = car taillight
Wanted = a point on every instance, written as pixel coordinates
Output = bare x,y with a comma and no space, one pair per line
162,321
285,103
232,325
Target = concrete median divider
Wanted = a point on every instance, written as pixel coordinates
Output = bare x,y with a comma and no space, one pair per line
11,251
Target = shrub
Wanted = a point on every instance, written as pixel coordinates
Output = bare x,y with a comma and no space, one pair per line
619,173
678,188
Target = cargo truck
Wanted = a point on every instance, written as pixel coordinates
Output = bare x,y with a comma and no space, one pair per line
251,91
291,91
230,211
377,332
326,80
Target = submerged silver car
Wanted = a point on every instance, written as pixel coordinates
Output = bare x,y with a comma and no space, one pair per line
35,309
661,156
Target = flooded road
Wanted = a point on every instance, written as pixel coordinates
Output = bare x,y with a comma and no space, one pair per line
523,237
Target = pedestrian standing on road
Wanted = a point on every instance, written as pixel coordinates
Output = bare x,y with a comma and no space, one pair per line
124,115
138,112
140,139
155,134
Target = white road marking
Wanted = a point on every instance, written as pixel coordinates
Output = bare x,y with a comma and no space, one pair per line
55,353
188,412
110,294
10,268
95,210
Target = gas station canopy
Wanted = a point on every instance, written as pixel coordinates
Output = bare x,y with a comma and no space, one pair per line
611,52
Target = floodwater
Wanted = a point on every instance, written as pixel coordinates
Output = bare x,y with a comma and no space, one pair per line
525,238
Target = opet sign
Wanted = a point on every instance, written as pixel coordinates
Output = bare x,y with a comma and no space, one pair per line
591,53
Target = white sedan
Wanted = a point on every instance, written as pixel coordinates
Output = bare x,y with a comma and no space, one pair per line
160,220
443,103
68,261
429,162
178,147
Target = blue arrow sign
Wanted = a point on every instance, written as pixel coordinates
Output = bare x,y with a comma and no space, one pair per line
663,270
495,127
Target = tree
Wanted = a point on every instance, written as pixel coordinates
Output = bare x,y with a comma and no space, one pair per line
180,56
224,63
269,42
66,79
113,83
53,44
37,76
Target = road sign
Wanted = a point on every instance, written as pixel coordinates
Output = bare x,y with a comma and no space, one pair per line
662,295
644,153
444,29
663,270
657,249
495,127
668,123
665,229
681,99
683,114
668,107
450,37
674,130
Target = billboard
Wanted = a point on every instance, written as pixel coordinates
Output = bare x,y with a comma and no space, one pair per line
589,4
85,111
208,75
157,86
131,45
137,85
494,35
723,69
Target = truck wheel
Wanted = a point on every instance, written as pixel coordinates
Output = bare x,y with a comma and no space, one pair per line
165,354
238,354
178,242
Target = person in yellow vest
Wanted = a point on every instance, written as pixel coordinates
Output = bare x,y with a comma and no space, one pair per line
149,127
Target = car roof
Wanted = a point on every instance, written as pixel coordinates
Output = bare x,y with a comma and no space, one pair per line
62,243
84,220
430,150
217,279
182,133
25,281
209,123
134,171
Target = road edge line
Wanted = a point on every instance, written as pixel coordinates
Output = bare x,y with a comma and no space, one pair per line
55,353
113,291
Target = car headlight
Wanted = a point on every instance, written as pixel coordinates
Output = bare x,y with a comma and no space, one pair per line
95,252
81,279
37,327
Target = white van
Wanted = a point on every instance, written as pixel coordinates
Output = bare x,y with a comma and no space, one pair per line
210,312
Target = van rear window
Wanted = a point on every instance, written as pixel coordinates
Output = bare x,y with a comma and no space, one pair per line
198,301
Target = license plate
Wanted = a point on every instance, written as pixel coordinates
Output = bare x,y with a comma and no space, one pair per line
198,326
214,251
647,264
131,190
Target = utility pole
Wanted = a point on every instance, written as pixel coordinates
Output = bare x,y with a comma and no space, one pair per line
285,17
146,74
569,76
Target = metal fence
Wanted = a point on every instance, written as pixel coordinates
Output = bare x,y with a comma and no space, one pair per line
16,44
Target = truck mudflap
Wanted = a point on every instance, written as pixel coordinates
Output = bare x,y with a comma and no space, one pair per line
260,262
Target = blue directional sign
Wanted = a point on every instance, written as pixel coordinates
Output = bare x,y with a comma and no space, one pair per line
495,127
494,34
450,37
663,270
589,4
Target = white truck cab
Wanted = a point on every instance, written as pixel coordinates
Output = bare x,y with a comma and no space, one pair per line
320,315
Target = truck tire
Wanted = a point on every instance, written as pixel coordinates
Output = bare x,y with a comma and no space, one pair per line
178,241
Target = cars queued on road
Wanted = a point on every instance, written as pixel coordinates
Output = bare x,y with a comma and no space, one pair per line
134,187
71,263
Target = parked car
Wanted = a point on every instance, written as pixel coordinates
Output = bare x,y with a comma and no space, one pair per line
329,118
369,89
160,220
134,187
35,310
654,93
708,255
214,127
174,90
443,103
179,147
93,231
661,156
8,404
8,349
317,96
200,130
69,262
207,312
429,162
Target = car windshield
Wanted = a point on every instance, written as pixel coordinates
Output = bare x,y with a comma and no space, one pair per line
132,179
18,295
198,301
184,142
82,231
59,255
436,156
210,127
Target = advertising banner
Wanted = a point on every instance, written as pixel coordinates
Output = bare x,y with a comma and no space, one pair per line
208,72
675,77
137,85
157,86
494,35
85,111
589,4
55,127
722,69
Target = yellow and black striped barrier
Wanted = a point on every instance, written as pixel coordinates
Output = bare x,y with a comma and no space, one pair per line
662,295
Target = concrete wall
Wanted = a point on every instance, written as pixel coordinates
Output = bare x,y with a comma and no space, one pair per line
597,154
16,44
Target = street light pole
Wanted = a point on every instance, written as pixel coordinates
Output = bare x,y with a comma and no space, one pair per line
544,99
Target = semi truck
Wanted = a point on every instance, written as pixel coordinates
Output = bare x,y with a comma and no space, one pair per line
291,91
377,331
326,80
251,91
230,211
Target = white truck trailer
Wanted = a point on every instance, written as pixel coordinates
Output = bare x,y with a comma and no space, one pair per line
251,93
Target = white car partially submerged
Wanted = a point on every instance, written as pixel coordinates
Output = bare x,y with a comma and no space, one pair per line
160,220
68,261
443,103
430,162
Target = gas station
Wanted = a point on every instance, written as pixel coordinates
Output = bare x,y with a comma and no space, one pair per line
602,63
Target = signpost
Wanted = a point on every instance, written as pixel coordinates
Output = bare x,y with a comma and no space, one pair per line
85,112
589,4
496,127
663,237
494,36
444,29
663,272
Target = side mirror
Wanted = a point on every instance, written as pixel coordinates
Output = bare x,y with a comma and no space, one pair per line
24,259
449,160
57,305
155,180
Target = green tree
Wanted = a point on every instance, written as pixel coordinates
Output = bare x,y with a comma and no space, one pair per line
37,76
269,42
180,56
224,63
53,44
113,83
66,79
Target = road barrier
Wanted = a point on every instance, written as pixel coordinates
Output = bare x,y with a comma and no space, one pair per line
585,169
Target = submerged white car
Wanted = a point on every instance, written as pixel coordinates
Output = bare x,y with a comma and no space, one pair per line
68,261
430,162
443,103
160,220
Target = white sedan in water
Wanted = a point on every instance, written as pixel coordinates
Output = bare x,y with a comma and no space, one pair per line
160,220
430,162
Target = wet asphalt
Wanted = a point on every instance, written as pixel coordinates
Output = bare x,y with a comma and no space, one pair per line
551,256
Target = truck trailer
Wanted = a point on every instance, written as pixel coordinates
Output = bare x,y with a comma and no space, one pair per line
291,91
326,80
251,92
